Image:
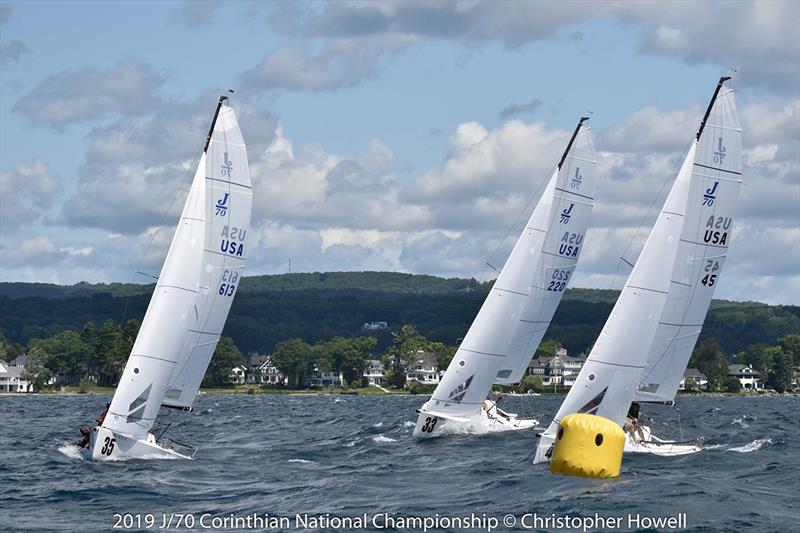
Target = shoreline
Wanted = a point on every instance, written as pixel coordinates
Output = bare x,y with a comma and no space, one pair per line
366,391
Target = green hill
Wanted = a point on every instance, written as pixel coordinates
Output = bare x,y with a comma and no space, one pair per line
319,306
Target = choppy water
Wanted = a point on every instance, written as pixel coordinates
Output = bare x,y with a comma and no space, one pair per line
349,455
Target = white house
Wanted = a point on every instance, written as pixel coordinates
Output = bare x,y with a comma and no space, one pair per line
263,371
237,375
424,368
11,379
374,373
374,326
748,377
700,379
327,379
561,369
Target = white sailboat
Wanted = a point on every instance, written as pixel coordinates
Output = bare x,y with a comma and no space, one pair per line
190,303
645,345
515,315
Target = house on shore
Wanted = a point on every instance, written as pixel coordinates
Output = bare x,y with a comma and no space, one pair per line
326,379
560,369
11,379
749,378
423,368
264,372
374,373
698,378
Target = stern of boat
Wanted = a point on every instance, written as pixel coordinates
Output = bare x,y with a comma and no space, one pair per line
105,445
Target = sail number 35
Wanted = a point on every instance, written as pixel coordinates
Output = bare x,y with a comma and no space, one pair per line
108,446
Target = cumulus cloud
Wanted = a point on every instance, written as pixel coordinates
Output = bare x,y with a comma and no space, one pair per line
195,13
759,37
137,171
77,95
28,191
336,64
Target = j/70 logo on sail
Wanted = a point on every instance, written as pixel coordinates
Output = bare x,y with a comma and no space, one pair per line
719,153
226,167
222,205
565,214
710,194
577,180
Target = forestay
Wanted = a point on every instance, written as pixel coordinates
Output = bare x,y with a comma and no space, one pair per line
510,324
227,221
160,340
716,181
606,383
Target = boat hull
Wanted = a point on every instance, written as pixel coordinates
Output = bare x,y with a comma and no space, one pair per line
489,419
105,445
645,442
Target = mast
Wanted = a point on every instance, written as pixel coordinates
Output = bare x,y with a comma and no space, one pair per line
222,100
572,140
722,80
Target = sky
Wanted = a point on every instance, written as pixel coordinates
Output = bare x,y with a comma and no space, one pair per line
397,136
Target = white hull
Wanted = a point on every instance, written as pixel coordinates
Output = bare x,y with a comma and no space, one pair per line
644,441
489,419
108,446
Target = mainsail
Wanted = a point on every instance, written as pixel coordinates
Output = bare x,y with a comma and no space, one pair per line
162,358
607,383
229,201
716,181
510,324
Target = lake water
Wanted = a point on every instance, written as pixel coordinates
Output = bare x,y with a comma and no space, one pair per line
350,455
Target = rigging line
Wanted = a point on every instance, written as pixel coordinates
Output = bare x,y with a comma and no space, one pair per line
178,190
673,174
516,222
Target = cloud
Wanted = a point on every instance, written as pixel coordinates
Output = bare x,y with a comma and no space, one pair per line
336,64
513,23
652,129
11,51
194,13
137,171
759,37
516,110
128,88
27,192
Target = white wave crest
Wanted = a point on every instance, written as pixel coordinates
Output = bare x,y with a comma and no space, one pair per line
73,451
752,446
303,461
382,438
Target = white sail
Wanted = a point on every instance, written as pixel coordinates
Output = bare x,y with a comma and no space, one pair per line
606,383
507,330
158,345
229,201
193,295
716,182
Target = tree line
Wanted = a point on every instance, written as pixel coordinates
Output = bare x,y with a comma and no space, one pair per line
775,364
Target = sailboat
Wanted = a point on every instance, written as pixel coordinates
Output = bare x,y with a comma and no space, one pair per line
190,302
515,315
645,345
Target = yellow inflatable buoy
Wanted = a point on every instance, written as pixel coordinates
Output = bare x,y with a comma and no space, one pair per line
588,446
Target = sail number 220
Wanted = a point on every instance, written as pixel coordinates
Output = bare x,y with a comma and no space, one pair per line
228,285
558,280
